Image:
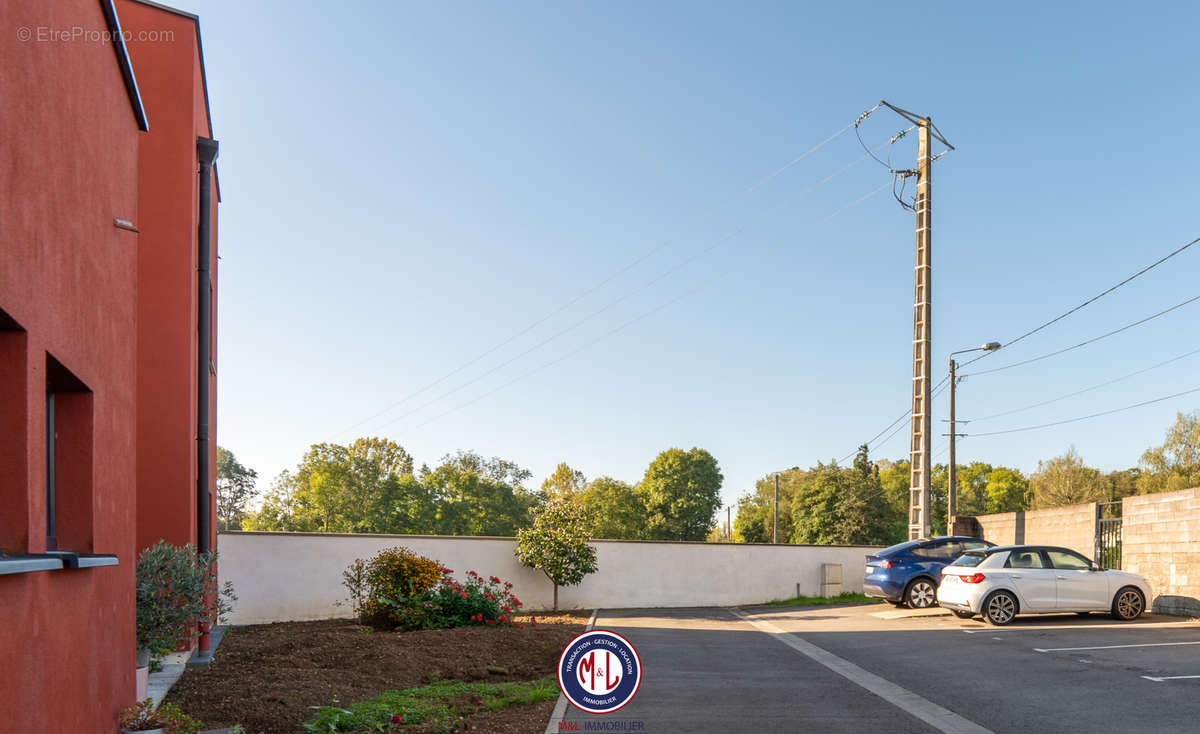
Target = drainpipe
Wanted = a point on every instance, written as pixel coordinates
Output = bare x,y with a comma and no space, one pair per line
206,153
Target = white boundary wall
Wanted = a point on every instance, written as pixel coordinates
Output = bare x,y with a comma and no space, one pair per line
297,576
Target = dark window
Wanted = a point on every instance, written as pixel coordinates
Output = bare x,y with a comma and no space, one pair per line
1069,560
14,436
943,550
68,453
1024,559
969,559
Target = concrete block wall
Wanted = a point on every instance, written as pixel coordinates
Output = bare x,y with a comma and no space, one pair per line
298,576
1161,541
1071,527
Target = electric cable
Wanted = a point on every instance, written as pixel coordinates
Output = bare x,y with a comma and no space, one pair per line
1087,417
605,281
1084,390
645,314
1085,343
1090,301
625,296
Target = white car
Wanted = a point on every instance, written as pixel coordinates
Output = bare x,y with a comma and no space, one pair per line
1000,583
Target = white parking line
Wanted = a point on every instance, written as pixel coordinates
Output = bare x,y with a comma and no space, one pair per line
560,706
1169,677
1114,647
940,718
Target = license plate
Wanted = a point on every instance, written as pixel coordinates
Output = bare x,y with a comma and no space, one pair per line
870,570
949,577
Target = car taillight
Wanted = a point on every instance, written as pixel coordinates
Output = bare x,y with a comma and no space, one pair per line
885,564
973,578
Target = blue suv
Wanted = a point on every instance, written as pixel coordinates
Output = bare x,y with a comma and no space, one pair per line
908,573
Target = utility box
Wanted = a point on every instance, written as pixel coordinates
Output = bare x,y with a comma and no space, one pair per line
831,579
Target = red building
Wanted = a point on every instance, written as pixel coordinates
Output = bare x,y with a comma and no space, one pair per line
108,202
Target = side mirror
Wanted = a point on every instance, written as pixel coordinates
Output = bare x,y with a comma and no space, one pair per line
1096,566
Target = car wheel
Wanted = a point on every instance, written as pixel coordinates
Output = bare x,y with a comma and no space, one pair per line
1000,608
963,613
1129,603
921,594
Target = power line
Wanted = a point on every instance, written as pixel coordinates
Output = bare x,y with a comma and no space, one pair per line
1087,417
937,389
645,314
1085,343
625,296
1080,392
1091,300
608,279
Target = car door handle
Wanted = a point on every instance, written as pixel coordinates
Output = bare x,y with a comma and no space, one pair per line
1061,578
1016,575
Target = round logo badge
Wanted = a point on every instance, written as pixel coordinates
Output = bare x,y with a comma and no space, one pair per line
599,671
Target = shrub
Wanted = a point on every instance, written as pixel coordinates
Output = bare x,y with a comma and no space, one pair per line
142,717
177,589
478,601
394,574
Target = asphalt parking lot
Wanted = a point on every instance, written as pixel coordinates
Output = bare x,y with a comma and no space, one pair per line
875,668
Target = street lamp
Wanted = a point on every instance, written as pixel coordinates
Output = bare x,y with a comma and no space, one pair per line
951,470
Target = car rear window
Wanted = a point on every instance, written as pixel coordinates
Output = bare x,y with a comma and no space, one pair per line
970,558
897,547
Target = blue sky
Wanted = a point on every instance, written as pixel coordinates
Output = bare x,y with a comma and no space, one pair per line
406,186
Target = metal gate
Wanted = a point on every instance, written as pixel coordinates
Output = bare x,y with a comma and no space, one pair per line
1108,534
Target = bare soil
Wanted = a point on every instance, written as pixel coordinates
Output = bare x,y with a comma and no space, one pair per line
266,677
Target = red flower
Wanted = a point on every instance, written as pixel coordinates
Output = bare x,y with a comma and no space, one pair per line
397,719
479,703
447,570
494,579
503,618
491,621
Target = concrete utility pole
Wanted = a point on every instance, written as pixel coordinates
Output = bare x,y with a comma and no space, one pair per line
728,523
919,522
775,534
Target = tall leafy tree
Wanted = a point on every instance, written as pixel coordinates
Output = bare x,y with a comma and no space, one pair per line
235,488
1065,480
479,496
616,509
1175,464
564,482
682,493
1006,491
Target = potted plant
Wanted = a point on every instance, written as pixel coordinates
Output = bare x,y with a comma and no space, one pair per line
177,590
144,719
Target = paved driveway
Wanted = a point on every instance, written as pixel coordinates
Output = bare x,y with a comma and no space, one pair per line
877,669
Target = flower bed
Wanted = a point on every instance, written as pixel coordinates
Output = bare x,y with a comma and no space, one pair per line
267,677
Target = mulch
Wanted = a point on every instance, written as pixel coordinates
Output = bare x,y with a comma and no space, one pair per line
266,676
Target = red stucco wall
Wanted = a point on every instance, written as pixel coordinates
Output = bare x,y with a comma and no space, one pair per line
171,83
68,166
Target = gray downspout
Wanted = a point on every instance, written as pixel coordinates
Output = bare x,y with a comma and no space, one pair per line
206,153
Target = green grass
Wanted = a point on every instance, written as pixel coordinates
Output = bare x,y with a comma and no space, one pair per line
846,597
441,703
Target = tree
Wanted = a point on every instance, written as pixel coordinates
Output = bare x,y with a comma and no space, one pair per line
479,496
1006,491
364,487
235,488
556,544
842,506
1175,464
682,493
564,482
1064,480
615,508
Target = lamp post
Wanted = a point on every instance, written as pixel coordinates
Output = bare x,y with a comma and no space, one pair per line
951,469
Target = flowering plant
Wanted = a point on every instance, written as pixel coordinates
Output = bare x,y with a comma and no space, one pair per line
477,601
381,587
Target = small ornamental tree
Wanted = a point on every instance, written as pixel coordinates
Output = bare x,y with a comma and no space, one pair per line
556,544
